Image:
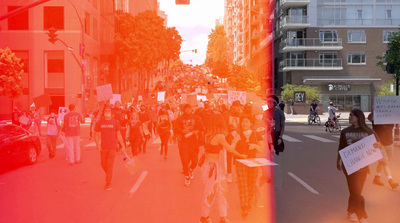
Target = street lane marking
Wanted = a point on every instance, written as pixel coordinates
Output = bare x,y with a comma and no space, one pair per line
92,144
290,139
308,187
318,138
336,136
137,184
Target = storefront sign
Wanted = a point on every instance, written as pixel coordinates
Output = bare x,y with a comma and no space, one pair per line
387,110
360,154
300,96
339,87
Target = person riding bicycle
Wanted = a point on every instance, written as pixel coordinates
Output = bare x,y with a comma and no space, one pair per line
332,112
313,110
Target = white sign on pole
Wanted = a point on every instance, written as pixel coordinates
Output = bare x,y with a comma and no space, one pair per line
237,95
202,97
104,92
161,96
116,97
360,154
387,110
256,162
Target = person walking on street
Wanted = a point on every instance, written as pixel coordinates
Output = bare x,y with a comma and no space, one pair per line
291,104
214,169
134,132
232,117
249,144
282,105
107,132
164,130
53,130
25,120
144,117
187,127
72,129
37,121
15,116
355,181
385,133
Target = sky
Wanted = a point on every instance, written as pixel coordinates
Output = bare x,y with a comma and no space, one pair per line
194,23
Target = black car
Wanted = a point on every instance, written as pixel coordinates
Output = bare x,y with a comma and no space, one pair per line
17,146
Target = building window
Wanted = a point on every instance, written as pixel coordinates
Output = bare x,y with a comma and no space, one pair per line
95,29
356,58
87,23
388,14
386,34
24,56
356,36
54,73
359,14
328,58
328,35
19,21
53,16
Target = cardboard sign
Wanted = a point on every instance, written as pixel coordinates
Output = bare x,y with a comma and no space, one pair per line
161,96
387,110
42,101
115,98
133,165
202,97
237,95
104,92
192,99
360,154
126,97
256,162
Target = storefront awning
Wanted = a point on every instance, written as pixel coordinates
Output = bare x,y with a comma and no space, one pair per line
349,80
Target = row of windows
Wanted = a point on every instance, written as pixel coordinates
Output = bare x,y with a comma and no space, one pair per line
353,36
352,57
53,16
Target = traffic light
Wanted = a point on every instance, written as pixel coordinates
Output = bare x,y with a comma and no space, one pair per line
182,2
195,50
52,35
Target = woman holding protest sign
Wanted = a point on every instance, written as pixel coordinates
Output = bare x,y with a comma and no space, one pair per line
355,181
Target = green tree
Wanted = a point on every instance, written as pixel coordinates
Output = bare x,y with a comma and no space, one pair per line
391,60
217,52
312,93
242,79
384,89
11,70
172,45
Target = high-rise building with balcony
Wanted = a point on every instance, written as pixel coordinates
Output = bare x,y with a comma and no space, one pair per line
333,45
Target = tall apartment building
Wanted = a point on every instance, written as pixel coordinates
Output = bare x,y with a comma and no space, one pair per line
51,69
333,45
248,27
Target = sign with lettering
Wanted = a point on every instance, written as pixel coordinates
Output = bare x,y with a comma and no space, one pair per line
237,95
161,96
387,110
339,87
300,96
360,154
104,92
116,97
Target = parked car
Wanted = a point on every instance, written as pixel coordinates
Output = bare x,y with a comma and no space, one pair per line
17,146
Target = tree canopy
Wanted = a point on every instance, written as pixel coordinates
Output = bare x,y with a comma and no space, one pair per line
242,79
11,70
384,89
217,52
391,60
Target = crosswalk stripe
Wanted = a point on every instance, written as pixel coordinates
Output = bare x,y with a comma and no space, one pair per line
318,138
290,139
336,136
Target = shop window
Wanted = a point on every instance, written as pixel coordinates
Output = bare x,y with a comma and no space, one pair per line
19,21
53,16
54,75
356,58
328,36
356,36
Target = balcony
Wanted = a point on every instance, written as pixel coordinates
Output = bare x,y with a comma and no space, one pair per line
294,22
300,44
310,64
285,4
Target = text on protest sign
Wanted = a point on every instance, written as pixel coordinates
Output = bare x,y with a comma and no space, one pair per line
104,92
237,95
360,154
161,96
387,110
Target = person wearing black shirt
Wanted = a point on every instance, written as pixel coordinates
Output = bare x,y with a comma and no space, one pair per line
282,105
355,181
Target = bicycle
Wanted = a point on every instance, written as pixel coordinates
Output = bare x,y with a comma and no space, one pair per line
332,125
314,119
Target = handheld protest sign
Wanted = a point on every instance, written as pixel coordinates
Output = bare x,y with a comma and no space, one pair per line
387,110
104,92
